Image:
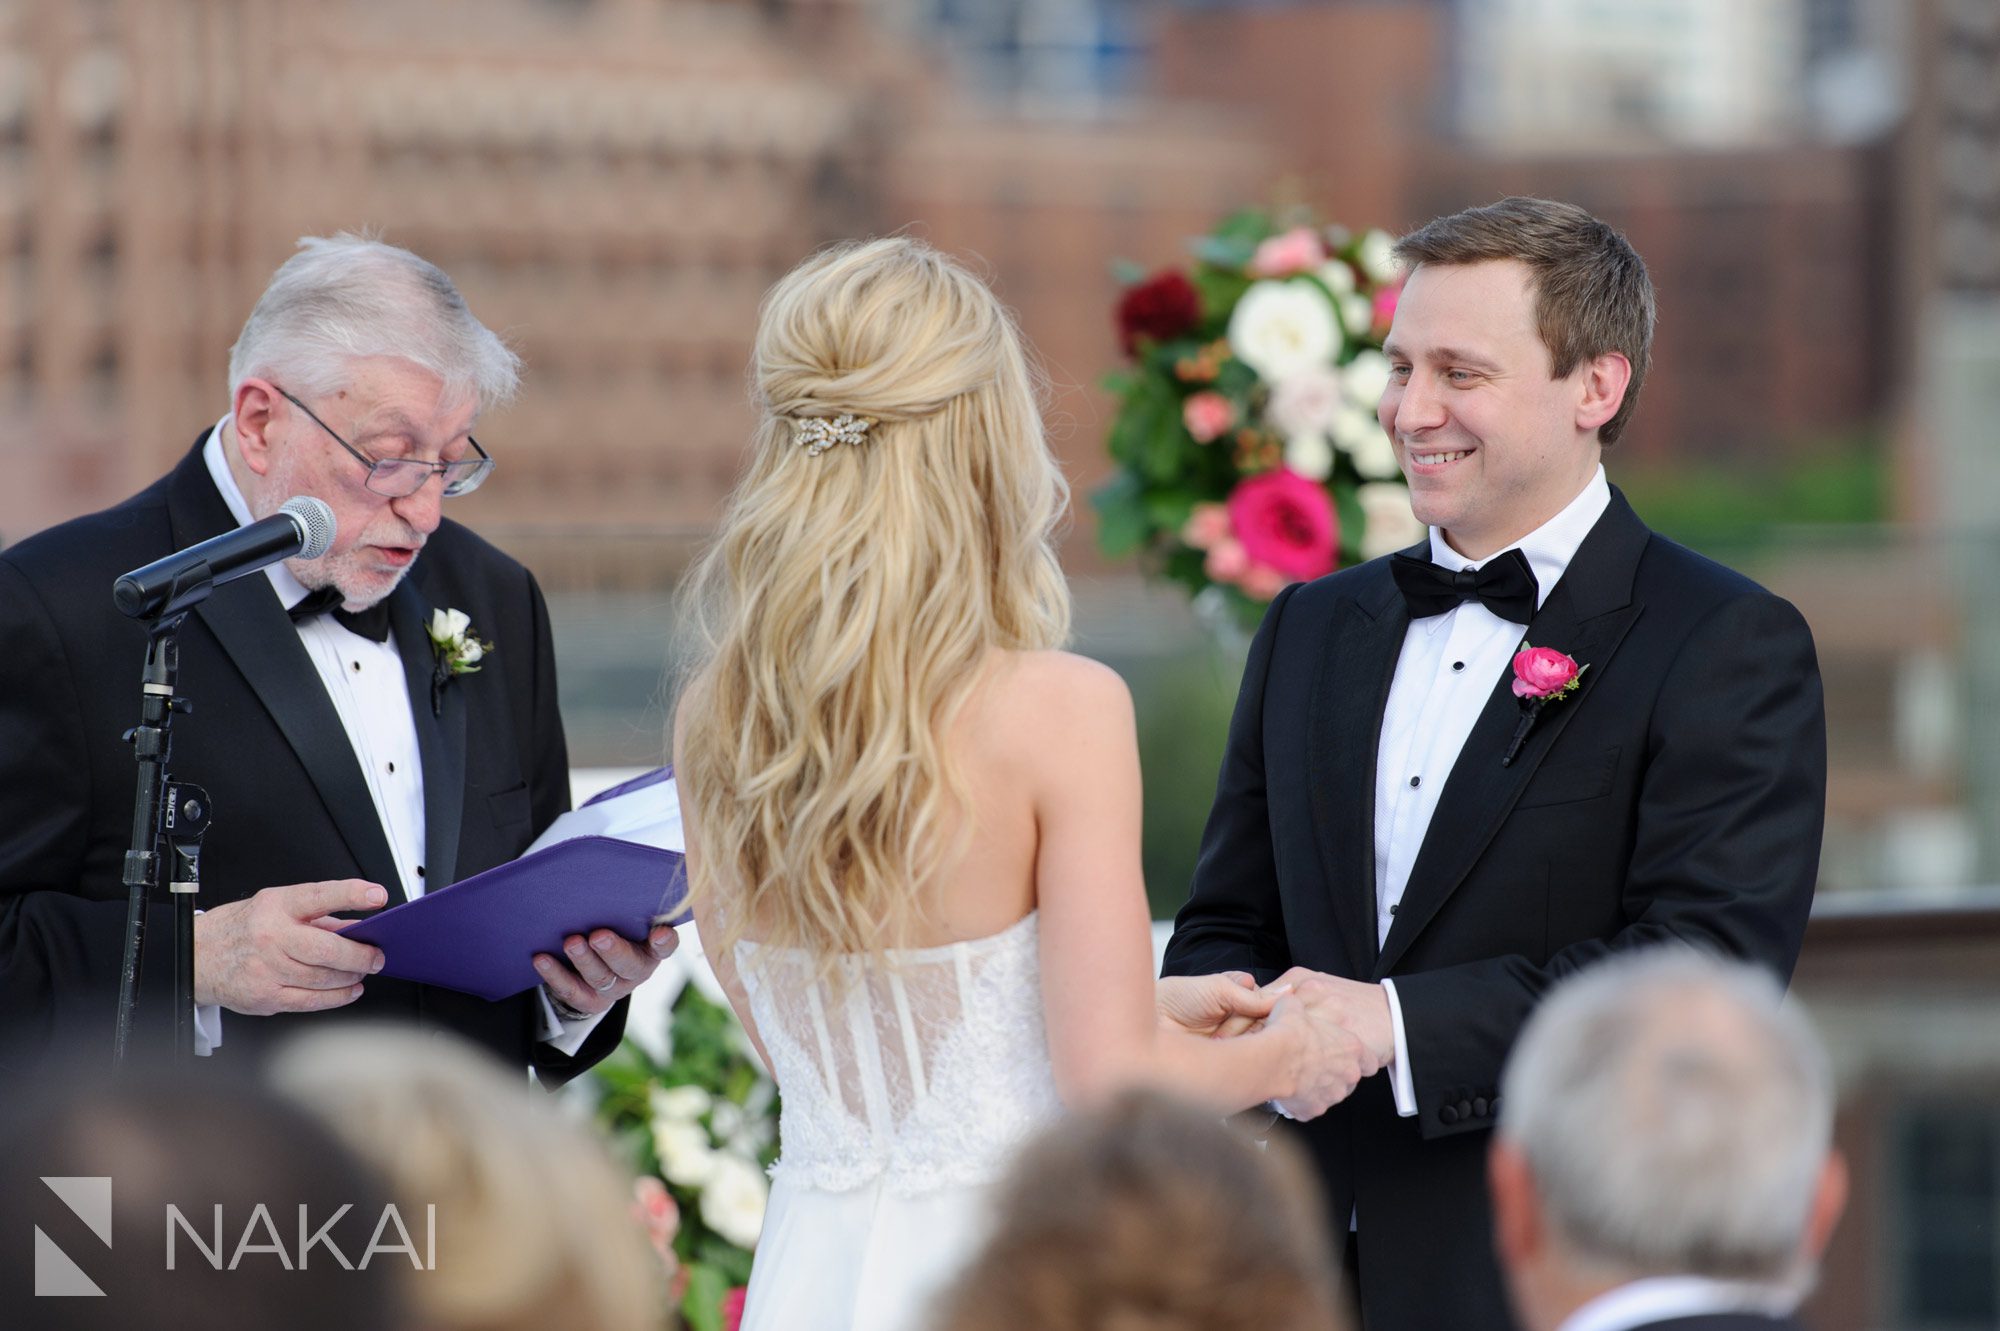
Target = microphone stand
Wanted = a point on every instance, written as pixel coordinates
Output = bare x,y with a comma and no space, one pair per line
164,813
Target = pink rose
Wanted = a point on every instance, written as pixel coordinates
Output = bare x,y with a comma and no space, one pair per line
1206,527
1263,582
1208,416
1543,672
1385,307
732,1308
1286,522
1296,251
1226,561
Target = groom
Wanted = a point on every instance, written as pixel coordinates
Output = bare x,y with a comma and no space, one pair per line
1392,814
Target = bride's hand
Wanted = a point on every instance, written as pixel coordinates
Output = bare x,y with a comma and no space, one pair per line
1329,1060
1212,1005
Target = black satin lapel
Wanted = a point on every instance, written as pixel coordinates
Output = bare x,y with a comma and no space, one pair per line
1480,793
1357,665
440,736
252,628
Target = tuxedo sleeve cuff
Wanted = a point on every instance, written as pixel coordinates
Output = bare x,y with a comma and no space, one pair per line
564,1033
207,1028
1401,1083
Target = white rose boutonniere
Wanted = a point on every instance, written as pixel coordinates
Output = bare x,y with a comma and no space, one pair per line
455,650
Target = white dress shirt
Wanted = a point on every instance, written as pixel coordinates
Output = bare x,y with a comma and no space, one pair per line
1446,672
365,681
1665,1298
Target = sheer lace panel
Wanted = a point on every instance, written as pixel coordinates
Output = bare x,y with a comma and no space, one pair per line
926,1068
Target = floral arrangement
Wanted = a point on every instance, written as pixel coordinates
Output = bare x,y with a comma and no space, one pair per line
1247,447
699,1124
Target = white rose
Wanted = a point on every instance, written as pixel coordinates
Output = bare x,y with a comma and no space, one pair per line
1385,508
685,1155
1281,328
1364,378
1305,403
1310,455
733,1200
1357,315
471,651
680,1102
1377,257
1339,278
450,623
1362,438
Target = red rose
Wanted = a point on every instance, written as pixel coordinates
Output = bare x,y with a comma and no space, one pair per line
1286,523
1163,306
732,1308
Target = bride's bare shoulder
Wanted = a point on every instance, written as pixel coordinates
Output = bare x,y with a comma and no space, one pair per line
1054,690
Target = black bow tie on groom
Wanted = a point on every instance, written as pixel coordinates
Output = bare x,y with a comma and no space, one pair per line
372,623
1505,585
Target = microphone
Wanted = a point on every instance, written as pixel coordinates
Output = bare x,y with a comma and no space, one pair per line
303,527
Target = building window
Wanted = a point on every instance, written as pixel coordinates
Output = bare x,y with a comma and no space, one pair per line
1947,1165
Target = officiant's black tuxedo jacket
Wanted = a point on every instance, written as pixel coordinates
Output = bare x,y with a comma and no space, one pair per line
290,803
1678,794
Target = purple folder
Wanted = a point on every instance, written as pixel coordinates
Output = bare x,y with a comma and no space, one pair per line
480,935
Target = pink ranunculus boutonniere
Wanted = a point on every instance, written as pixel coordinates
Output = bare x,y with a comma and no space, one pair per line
1542,675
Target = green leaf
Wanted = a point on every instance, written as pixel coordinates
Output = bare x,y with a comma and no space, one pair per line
1247,226
1121,515
1353,522
702,1304
1169,509
1224,253
1220,290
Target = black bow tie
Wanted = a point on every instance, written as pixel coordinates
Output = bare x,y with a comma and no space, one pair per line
372,623
1505,585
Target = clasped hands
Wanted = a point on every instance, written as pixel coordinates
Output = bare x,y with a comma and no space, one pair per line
281,951
1344,1025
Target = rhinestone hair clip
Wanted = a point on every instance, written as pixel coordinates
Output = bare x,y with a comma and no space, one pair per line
816,434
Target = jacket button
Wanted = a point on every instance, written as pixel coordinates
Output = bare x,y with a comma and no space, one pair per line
1479,1106
1494,1105
1465,1109
1448,1114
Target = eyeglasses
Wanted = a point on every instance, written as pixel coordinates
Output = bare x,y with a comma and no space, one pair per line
399,478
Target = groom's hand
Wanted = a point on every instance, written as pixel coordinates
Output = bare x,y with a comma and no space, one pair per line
603,967
1213,1005
1362,1008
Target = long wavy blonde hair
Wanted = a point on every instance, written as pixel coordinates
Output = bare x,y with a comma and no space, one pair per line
850,599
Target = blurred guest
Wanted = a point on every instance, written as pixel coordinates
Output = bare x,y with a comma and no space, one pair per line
1150,1215
534,1221
1664,1155
353,759
256,1236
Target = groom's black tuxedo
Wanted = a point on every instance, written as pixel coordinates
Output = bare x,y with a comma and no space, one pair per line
265,740
1678,794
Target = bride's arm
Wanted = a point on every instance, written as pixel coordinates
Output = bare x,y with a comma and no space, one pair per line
1105,1034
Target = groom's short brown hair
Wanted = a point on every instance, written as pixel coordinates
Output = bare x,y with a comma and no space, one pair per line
1592,294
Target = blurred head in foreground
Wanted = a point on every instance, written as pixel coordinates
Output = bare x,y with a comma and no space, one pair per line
1150,1215
1665,1114
533,1219
171,1198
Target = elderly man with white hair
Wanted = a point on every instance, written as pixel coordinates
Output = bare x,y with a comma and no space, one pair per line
1664,1156
352,759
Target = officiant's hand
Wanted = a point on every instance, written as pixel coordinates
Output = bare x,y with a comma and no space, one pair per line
603,967
281,950
1213,1005
1362,1008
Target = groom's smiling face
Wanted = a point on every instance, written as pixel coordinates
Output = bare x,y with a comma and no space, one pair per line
1492,445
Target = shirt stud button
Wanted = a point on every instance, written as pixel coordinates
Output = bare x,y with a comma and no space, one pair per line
357,665
1416,781
1458,665
392,767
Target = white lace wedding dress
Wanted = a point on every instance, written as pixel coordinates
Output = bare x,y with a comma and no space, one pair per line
906,1091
